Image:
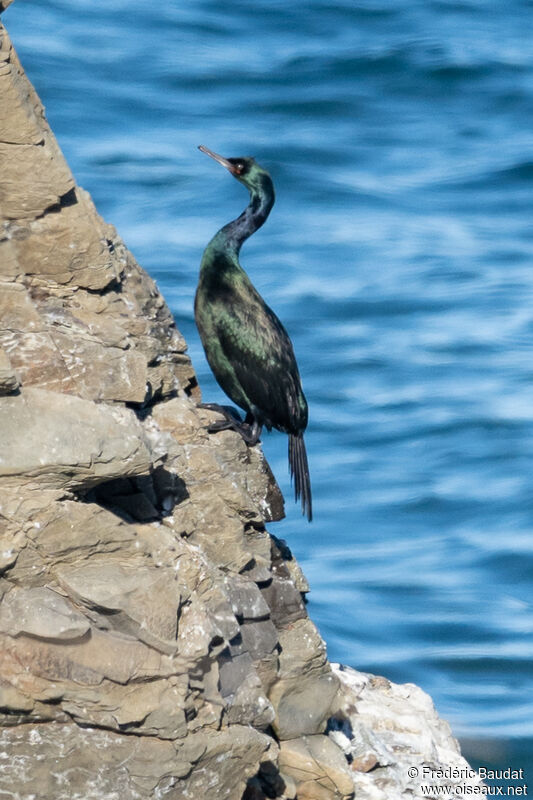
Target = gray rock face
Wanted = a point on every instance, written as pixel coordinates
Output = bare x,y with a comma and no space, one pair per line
140,603
153,638
42,613
35,761
140,591
80,443
9,381
316,767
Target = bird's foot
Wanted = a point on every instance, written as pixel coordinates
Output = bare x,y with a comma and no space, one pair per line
232,422
230,413
250,432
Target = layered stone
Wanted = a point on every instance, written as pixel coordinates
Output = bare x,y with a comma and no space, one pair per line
154,640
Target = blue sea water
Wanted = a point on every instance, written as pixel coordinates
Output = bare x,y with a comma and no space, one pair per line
400,257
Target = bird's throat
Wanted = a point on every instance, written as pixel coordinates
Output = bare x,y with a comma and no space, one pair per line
235,233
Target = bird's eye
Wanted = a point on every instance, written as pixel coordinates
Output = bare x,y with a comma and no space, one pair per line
240,167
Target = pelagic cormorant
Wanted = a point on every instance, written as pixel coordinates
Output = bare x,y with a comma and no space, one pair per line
245,343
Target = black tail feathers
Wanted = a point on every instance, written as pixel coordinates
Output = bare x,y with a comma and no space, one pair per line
299,470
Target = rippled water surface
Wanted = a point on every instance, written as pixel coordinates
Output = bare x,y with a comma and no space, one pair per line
399,255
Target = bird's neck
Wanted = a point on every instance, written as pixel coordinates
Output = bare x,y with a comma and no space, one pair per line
232,235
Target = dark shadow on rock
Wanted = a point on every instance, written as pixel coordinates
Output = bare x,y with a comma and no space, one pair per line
66,200
268,783
281,550
69,198
170,490
146,498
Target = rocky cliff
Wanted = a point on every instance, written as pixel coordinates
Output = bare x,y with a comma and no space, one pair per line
154,641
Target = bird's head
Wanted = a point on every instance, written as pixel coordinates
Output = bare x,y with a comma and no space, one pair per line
245,169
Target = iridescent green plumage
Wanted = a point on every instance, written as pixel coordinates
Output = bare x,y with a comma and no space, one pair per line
245,343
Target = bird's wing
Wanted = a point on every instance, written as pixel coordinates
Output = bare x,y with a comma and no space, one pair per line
257,345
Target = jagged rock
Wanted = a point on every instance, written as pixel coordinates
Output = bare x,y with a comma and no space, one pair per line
90,660
136,602
260,638
245,746
392,734
80,443
28,342
23,167
284,601
318,768
152,631
243,476
81,254
182,419
101,764
248,704
306,689
89,345
246,599
66,335
9,381
284,565
42,613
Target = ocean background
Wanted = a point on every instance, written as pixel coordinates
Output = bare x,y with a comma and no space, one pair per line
399,255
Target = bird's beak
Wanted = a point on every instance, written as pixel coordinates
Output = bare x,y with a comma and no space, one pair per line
220,159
